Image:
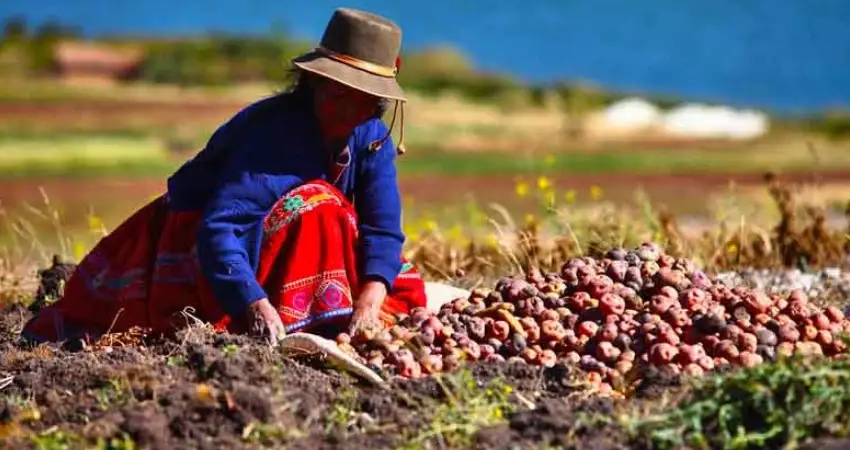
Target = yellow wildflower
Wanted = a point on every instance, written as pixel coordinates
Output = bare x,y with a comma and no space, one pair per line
521,188
595,192
543,183
570,196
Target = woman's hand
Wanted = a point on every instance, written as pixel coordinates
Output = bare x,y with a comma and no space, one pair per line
367,309
264,320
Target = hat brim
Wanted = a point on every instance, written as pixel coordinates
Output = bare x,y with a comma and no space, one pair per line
350,76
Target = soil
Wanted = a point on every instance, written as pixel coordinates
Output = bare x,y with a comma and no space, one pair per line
208,391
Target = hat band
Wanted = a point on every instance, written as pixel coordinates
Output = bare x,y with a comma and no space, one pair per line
375,69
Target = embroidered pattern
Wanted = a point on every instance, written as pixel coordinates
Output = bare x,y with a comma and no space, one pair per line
297,202
332,294
291,204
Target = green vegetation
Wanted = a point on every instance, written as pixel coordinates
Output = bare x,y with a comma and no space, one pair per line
132,152
768,406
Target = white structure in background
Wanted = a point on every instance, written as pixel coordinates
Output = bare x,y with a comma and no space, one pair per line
703,121
632,114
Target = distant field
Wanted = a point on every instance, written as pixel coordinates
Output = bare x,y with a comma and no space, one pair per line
128,153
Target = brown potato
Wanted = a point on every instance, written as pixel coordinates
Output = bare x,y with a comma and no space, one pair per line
624,367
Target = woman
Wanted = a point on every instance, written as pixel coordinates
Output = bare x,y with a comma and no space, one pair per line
288,220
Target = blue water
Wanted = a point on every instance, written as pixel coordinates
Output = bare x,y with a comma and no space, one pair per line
788,56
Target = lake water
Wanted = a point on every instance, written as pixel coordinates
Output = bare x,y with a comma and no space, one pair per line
788,56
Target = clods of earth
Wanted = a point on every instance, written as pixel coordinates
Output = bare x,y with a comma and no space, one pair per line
539,361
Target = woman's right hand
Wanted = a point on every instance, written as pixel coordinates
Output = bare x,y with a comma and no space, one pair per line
264,321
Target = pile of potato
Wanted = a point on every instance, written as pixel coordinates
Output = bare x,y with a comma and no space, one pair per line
608,316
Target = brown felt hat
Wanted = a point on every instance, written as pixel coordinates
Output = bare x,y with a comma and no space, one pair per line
358,49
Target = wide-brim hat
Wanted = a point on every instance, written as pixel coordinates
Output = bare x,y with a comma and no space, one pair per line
360,50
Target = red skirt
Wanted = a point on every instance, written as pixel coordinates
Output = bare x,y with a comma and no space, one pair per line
145,273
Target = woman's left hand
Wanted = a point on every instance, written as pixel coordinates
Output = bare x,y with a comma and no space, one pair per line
367,309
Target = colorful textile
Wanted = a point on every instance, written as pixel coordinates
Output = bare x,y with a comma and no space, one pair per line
147,271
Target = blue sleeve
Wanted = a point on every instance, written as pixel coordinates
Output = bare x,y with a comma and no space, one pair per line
230,236
378,205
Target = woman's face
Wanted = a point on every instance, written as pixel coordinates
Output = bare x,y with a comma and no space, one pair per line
340,108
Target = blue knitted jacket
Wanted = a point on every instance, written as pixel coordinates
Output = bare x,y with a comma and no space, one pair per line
251,161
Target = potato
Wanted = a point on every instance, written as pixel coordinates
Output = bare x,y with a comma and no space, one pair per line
747,342
707,363
529,355
757,302
789,333
824,338
659,304
486,350
451,362
499,330
612,304
732,333
766,337
669,336
608,332
547,358
677,317
495,358
690,354
834,314
587,328
797,310
820,321
810,333
727,349
432,364
409,368
563,312
549,314
606,352
425,337
662,353
693,370
624,367
749,359
552,331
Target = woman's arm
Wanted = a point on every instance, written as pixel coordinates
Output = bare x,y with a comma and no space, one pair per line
230,236
378,204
